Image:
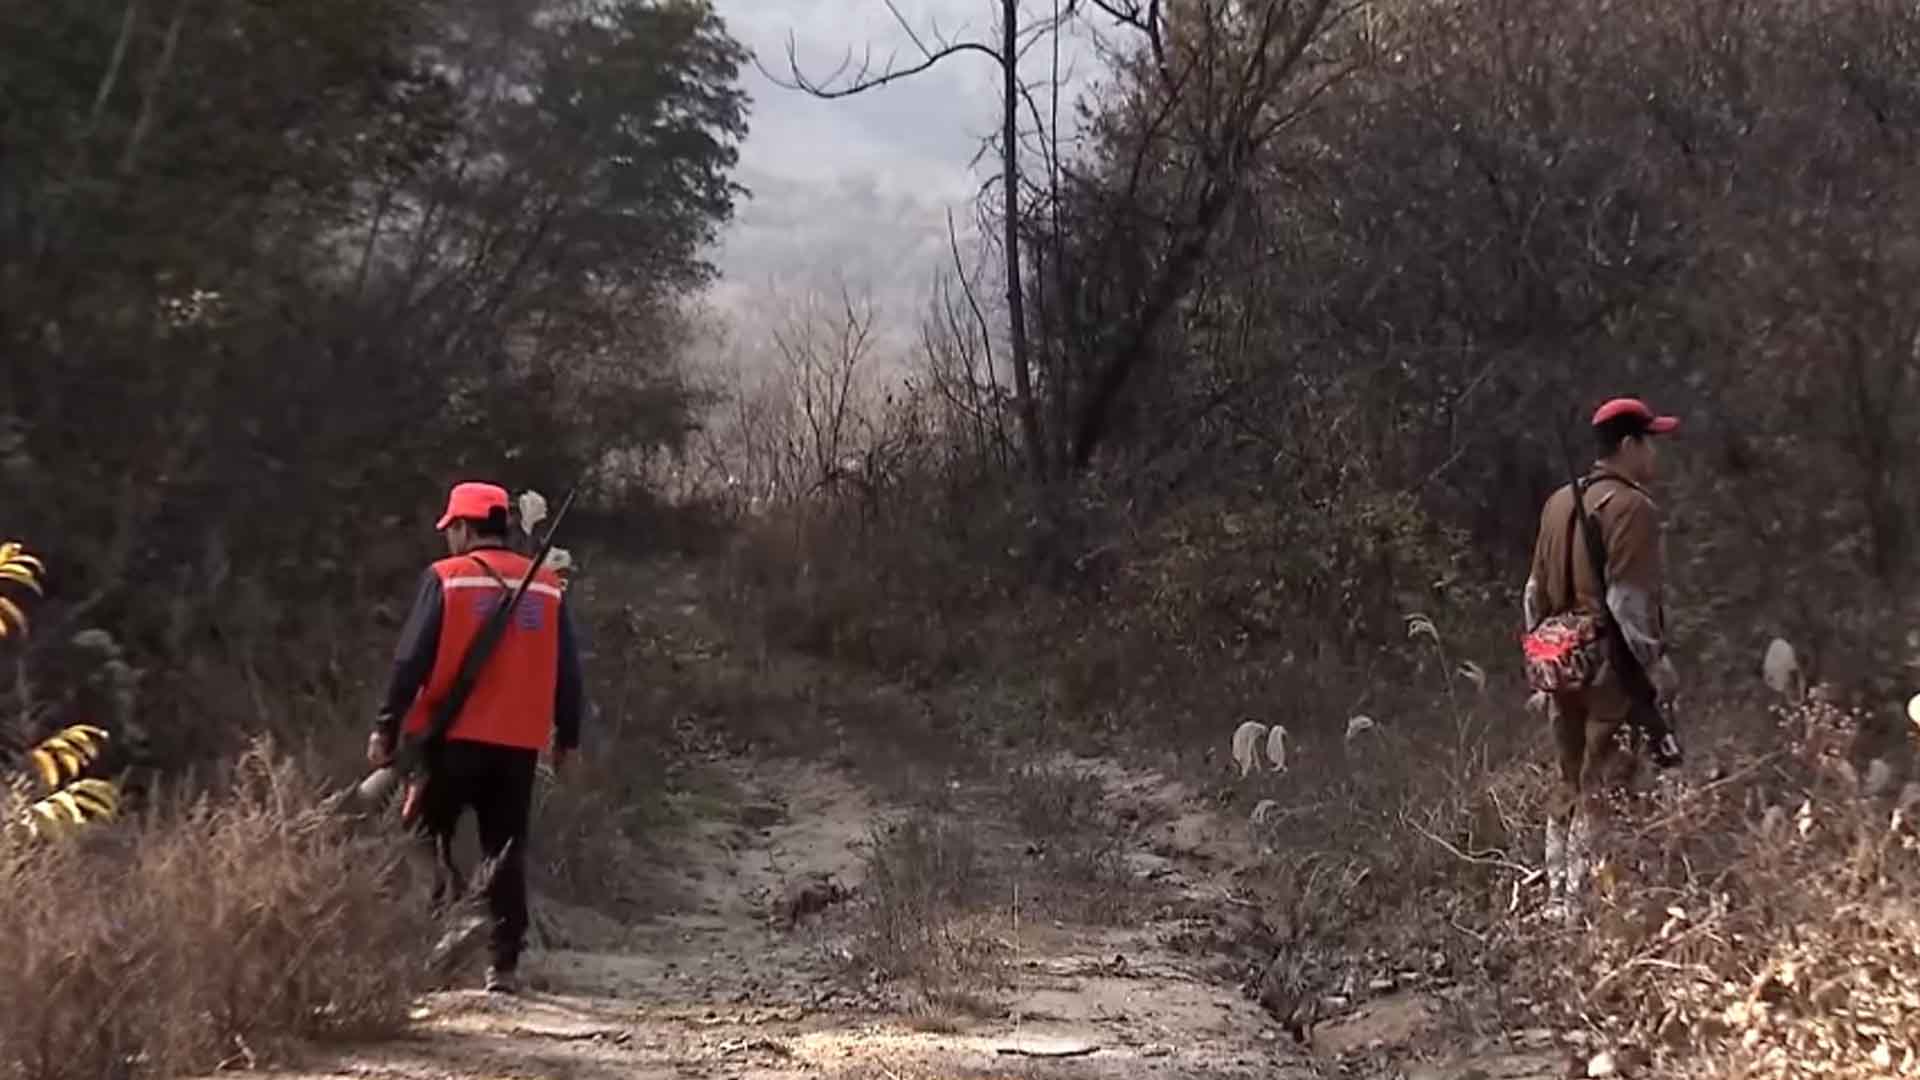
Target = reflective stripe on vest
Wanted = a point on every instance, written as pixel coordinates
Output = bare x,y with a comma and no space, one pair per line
488,583
512,700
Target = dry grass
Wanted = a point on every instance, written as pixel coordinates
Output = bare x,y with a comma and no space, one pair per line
1754,916
595,828
1763,924
215,930
1075,844
1756,920
896,600
1049,799
920,923
945,887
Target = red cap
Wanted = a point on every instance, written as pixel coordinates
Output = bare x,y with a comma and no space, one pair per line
472,501
1633,407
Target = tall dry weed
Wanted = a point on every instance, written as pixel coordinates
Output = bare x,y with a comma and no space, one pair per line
594,831
1762,921
1075,844
919,898
218,929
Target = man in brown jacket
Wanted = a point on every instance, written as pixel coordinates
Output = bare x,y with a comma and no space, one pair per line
1586,723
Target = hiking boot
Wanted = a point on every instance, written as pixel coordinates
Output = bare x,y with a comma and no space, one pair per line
502,980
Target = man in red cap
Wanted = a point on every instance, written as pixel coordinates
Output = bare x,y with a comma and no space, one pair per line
527,694
1565,578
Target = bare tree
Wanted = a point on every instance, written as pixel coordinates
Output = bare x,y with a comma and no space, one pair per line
804,418
1214,86
957,350
933,49
825,357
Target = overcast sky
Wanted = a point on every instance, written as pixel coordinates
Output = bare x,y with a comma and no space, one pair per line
858,186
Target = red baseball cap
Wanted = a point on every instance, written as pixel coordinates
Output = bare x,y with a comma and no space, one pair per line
472,501
1635,409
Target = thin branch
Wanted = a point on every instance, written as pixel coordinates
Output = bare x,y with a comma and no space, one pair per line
163,69
1699,970
973,302
865,79
111,76
1145,20
894,10
1484,859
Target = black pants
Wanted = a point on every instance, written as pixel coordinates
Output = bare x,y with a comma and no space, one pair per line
497,782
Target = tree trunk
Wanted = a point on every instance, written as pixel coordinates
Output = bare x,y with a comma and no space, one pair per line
1016,301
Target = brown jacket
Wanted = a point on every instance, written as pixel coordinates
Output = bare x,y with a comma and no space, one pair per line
1629,523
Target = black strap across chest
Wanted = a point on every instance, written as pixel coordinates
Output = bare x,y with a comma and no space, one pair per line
1579,519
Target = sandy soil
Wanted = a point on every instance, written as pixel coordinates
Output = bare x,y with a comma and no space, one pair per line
721,989
716,987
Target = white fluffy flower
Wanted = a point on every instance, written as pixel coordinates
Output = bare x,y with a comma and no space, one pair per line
1781,668
1277,747
533,510
1246,745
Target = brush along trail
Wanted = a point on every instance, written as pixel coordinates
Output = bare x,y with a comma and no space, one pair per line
756,967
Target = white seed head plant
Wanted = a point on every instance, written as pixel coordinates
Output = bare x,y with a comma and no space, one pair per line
533,510
1277,747
1781,668
1246,745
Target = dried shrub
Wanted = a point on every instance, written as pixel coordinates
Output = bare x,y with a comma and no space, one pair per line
921,890
1761,923
1075,842
217,929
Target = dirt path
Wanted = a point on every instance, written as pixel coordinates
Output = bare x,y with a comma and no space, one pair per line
716,987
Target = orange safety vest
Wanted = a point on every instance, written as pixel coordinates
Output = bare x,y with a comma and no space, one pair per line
512,700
